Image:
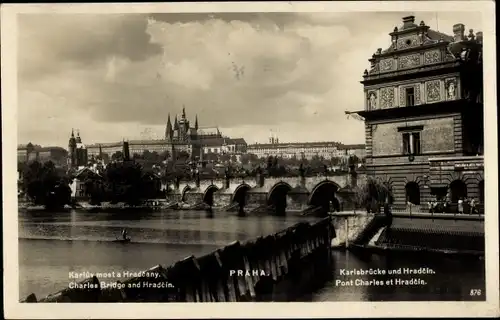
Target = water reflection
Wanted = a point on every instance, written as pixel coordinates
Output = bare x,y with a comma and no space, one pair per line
53,244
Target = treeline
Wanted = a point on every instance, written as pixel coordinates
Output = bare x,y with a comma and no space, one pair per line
122,182
46,185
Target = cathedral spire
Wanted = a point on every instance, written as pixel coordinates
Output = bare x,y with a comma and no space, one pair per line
183,112
176,124
72,133
78,139
168,130
196,122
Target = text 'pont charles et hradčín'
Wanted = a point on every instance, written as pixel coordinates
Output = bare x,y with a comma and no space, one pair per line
368,277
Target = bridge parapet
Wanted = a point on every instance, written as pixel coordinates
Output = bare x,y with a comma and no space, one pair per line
307,184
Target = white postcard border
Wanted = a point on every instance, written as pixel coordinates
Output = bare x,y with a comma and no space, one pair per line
16,310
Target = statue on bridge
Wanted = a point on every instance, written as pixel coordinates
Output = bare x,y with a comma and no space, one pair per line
177,181
197,176
227,177
301,170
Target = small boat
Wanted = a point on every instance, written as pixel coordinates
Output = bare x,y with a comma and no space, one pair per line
122,240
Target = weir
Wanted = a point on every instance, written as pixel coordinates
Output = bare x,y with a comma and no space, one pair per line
278,267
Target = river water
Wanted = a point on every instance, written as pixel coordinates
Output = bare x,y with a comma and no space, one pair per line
52,245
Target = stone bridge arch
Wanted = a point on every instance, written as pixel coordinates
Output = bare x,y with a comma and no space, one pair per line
276,196
208,194
183,193
240,195
324,193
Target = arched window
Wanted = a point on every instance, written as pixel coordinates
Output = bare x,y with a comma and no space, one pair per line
413,193
458,190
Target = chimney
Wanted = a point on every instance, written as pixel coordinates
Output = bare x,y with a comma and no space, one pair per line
479,37
408,22
458,32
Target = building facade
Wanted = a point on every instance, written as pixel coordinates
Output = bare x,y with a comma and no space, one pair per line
305,150
424,115
224,145
31,152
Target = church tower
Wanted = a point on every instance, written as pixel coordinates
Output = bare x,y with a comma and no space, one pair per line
196,122
72,150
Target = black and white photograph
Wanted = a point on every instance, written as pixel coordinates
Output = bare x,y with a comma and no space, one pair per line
170,155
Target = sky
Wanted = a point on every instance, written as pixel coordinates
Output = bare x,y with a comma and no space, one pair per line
118,76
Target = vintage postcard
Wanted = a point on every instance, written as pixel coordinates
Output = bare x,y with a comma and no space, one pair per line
296,159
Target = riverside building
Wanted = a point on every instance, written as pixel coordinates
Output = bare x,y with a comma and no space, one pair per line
423,115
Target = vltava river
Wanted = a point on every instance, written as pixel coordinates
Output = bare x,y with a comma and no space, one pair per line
51,245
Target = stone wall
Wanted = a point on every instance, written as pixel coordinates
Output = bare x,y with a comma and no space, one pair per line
437,136
465,235
279,267
348,227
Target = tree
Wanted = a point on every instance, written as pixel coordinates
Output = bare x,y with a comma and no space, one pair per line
126,182
117,156
183,155
94,188
253,158
335,161
270,162
316,162
210,156
164,155
136,156
373,195
224,157
234,158
45,186
245,158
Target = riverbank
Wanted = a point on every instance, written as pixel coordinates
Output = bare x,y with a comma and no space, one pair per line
451,235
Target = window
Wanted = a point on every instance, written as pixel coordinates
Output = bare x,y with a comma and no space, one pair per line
411,143
410,96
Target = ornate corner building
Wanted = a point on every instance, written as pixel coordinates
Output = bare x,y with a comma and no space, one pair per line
424,115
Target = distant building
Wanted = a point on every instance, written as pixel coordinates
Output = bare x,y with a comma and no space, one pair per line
77,152
224,145
31,152
305,150
423,115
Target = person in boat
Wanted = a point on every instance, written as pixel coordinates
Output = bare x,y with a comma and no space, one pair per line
124,234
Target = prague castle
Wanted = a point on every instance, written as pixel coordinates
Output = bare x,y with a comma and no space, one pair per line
180,136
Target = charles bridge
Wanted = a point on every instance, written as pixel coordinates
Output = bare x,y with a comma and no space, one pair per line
292,193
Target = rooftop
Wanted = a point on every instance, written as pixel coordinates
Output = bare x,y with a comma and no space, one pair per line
318,144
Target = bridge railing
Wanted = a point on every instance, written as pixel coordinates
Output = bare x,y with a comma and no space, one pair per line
252,176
